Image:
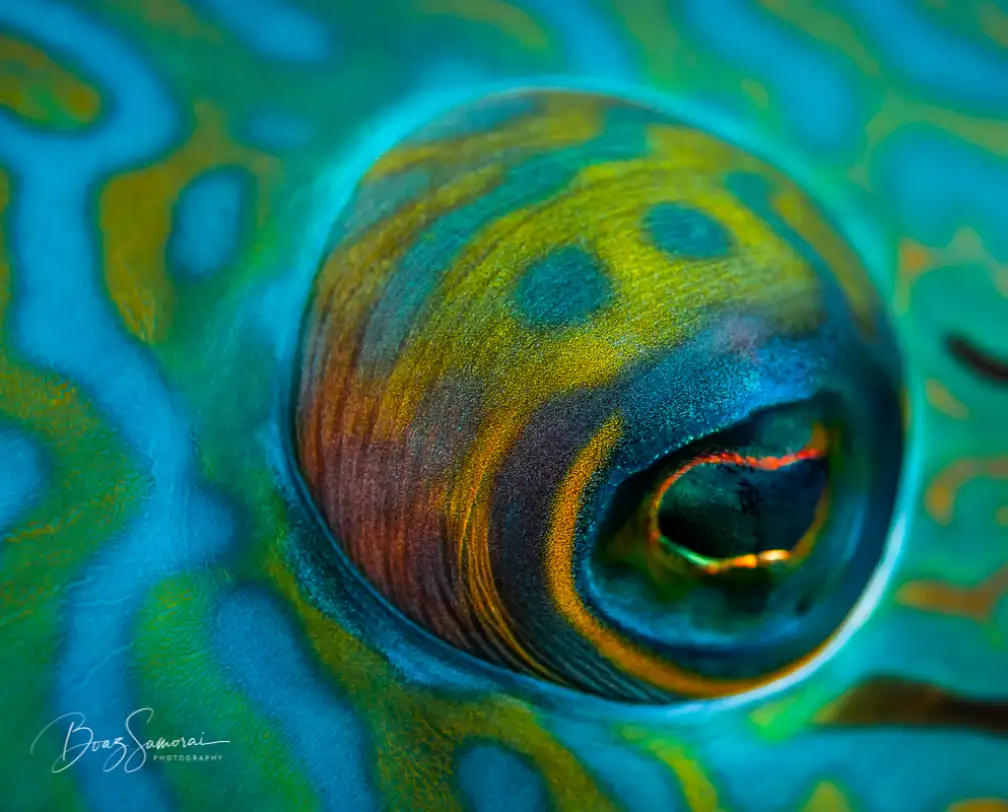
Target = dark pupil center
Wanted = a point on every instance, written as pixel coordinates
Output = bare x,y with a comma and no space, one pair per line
724,509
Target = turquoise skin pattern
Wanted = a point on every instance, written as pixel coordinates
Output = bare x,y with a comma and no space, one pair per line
169,175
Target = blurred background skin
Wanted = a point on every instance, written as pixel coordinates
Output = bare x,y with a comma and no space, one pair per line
170,173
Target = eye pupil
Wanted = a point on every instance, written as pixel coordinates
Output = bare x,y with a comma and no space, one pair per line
748,502
723,510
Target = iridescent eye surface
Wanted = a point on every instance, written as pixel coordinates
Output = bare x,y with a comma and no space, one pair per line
594,396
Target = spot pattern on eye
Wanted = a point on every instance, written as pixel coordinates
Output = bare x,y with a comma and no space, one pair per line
574,403
566,287
686,232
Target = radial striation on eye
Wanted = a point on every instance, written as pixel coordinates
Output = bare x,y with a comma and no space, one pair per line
593,395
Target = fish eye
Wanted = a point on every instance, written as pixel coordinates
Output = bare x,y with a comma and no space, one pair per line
595,396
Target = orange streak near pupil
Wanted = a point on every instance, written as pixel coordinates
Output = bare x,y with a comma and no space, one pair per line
816,449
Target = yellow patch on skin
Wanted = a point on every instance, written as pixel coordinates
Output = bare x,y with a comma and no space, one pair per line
172,18
756,93
766,715
135,212
993,22
1001,516
39,89
669,56
915,260
4,261
817,22
980,805
700,792
976,603
907,407
827,797
941,495
1001,281
510,20
944,401
90,484
897,111
778,720
990,134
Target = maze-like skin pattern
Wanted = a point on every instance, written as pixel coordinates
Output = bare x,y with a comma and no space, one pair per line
169,175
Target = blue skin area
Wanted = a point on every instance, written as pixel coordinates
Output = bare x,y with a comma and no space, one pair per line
521,786
208,224
813,90
635,780
939,184
305,702
23,458
589,44
61,319
276,130
274,29
930,56
96,663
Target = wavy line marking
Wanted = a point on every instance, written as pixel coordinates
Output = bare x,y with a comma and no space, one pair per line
943,492
976,602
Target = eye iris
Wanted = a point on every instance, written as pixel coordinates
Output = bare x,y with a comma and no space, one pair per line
576,405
